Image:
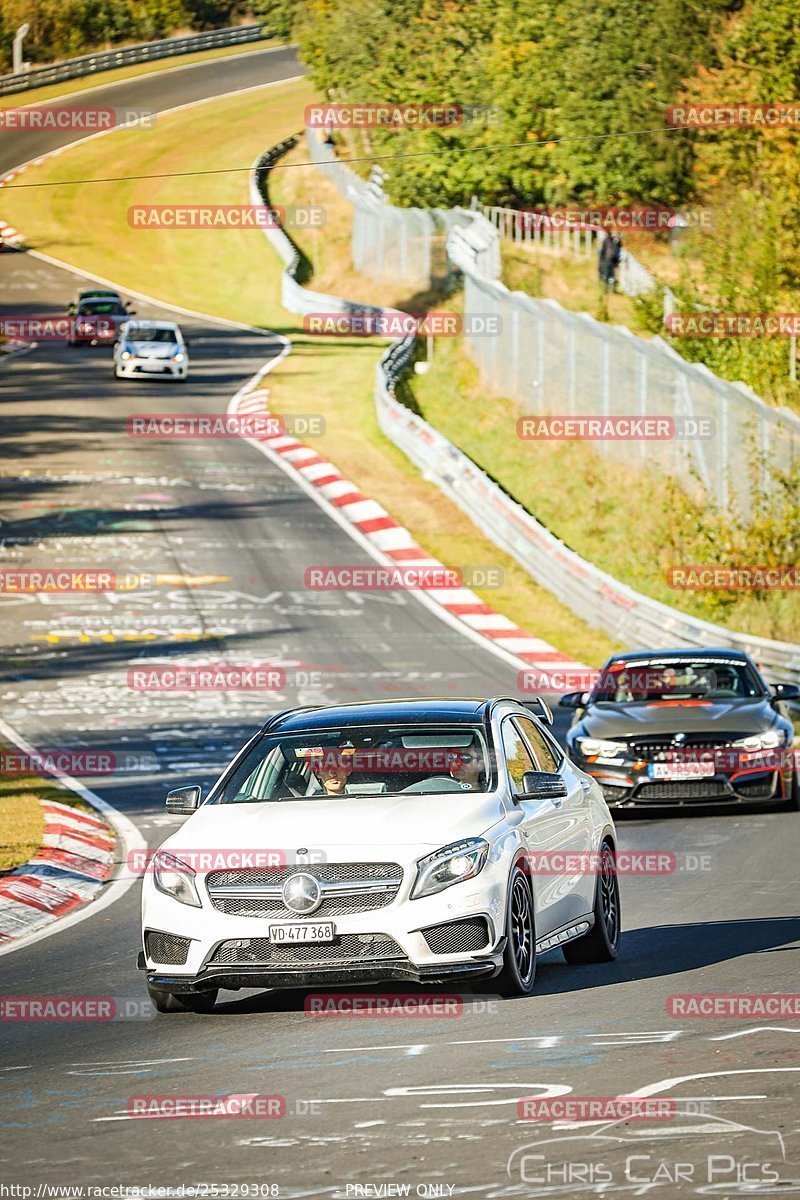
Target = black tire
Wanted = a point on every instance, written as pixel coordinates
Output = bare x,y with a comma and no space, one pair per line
793,803
601,943
172,1002
519,959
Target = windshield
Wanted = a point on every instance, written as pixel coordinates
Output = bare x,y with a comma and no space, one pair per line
368,760
103,308
152,335
675,679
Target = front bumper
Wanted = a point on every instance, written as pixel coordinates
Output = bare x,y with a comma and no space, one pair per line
298,977
628,787
135,368
187,948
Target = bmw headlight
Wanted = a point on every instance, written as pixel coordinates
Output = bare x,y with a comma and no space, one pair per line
591,747
178,357
763,741
452,864
126,354
174,878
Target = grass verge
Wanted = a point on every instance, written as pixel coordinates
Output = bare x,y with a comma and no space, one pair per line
236,275
21,816
226,272
632,523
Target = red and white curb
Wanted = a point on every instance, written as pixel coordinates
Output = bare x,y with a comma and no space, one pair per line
389,541
72,864
395,545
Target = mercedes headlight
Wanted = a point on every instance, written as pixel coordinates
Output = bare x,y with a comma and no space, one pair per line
174,878
452,864
593,747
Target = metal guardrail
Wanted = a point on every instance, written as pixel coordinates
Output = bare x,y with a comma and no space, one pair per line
599,599
592,594
106,60
294,296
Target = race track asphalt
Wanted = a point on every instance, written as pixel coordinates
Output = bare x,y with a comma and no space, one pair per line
427,1103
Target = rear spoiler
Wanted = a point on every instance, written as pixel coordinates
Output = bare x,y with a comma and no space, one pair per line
540,708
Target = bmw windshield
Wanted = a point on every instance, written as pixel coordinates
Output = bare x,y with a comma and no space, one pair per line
649,681
373,760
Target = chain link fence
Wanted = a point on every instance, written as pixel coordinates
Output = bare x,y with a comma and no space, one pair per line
604,602
553,361
633,278
599,599
388,243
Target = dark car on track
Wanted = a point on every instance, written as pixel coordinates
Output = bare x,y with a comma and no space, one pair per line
93,293
97,320
687,728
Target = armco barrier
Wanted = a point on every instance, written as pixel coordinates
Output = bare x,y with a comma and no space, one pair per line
107,60
294,297
598,598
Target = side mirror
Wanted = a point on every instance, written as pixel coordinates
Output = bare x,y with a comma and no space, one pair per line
572,700
542,785
71,310
540,708
184,800
785,691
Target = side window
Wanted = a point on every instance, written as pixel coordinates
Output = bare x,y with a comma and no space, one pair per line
517,754
539,744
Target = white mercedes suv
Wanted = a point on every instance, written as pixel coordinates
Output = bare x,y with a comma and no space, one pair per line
410,840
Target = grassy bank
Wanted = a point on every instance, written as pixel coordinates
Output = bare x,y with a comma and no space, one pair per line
236,275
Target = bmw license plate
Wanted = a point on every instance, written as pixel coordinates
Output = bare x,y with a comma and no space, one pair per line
152,366
688,770
319,931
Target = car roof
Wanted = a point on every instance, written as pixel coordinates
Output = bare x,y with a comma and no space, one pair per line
416,711
86,292
666,655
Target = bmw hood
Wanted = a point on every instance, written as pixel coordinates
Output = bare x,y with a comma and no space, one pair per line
752,715
359,827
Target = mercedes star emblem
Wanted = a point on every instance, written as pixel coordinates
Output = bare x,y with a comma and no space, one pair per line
302,893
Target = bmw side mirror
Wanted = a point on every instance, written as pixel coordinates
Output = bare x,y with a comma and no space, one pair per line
572,700
542,785
785,691
184,800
